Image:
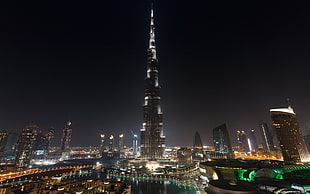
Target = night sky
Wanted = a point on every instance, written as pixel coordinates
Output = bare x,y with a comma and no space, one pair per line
85,61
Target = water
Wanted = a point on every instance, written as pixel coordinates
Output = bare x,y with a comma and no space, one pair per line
157,187
140,186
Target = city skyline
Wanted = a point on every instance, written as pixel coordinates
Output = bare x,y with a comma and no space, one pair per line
86,63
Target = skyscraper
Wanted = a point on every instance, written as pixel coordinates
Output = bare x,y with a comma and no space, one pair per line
50,136
242,140
197,141
41,145
3,140
253,146
11,146
152,138
307,138
267,137
101,147
198,151
26,145
120,142
221,141
111,146
65,141
289,135
135,144
307,141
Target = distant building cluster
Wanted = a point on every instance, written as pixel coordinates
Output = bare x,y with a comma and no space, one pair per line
283,140
112,149
32,143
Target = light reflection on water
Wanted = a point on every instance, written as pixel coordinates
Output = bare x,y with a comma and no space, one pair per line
158,187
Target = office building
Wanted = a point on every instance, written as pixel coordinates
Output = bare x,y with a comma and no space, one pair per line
101,146
307,141
10,150
42,144
243,142
65,141
267,137
111,146
3,140
197,141
121,143
252,142
135,144
289,135
221,140
50,136
198,147
26,145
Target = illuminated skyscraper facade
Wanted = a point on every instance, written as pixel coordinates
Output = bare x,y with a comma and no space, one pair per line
120,142
221,141
26,145
242,140
3,140
111,146
101,147
253,146
267,137
42,144
152,138
289,135
135,144
11,146
65,141
50,136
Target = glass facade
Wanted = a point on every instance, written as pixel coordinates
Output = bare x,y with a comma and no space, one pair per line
289,135
221,141
26,145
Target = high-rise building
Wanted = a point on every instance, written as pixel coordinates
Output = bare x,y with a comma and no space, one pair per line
135,144
120,142
3,140
252,142
111,146
267,137
41,145
243,141
9,152
65,141
50,136
307,141
198,149
101,147
289,134
152,138
221,141
197,141
26,145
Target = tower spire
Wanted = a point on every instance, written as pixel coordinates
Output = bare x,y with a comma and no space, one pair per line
289,102
152,46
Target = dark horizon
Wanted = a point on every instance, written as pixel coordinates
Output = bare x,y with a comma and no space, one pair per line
86,62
